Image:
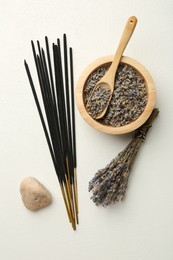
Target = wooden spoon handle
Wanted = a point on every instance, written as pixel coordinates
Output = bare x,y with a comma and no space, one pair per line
127,33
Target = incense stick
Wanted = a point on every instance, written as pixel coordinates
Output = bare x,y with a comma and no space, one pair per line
59,120
73,133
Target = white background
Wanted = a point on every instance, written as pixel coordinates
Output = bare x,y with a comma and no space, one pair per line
141,227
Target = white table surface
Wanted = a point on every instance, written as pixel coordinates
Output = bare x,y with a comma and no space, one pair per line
141,227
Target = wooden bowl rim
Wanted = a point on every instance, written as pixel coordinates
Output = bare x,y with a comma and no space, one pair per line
110,129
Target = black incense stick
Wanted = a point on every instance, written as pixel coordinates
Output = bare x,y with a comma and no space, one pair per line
40,113
73,131
58,101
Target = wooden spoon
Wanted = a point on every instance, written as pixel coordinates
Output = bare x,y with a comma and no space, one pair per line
106,84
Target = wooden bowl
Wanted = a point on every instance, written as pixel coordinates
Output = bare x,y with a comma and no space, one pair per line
151,96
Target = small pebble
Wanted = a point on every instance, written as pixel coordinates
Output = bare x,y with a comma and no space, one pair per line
34,195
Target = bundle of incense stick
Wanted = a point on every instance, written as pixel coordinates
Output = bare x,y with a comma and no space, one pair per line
58,120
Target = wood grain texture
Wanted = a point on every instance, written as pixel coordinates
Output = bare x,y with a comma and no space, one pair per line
151,95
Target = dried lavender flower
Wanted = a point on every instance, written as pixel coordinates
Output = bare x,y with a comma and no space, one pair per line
98,101
128,99
110,183
93,79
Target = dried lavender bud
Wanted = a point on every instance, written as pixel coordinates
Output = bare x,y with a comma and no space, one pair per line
98,101
92,81
110,183
129,97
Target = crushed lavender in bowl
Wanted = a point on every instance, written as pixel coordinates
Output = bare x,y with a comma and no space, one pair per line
128,100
